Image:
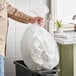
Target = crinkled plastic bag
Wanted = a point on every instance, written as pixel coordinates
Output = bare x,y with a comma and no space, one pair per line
39,49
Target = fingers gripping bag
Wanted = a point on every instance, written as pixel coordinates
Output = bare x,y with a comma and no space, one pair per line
39,49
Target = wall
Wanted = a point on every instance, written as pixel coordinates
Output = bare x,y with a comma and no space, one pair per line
15,32
66,9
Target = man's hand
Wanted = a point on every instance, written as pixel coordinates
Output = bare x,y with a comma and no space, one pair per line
33,20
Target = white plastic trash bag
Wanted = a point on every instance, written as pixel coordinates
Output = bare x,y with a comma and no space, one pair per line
39,49
38,8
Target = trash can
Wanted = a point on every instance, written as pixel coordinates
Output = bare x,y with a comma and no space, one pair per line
23,70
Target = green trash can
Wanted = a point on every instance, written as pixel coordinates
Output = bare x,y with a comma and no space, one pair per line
23,70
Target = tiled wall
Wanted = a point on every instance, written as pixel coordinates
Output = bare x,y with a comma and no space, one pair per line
15,32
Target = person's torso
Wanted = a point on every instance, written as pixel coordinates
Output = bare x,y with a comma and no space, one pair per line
3,25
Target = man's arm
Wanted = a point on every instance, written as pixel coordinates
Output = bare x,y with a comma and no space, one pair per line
21,17
17,15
